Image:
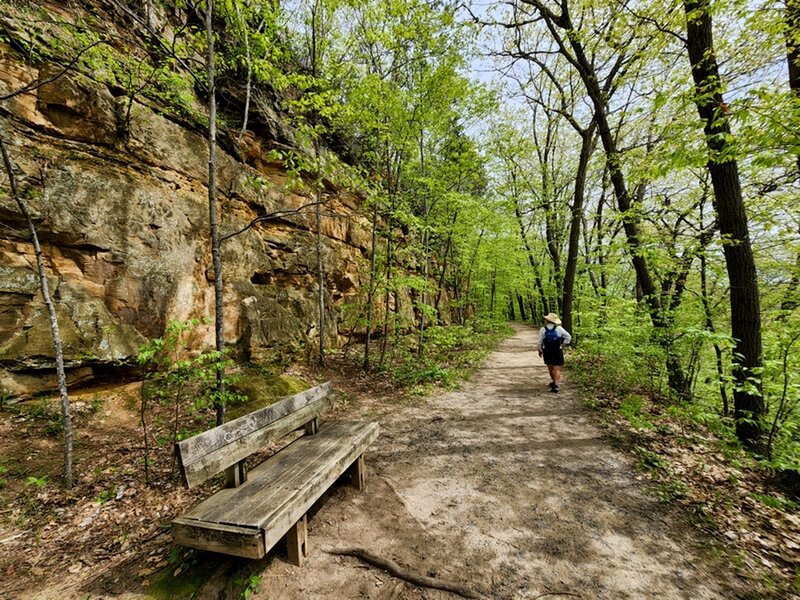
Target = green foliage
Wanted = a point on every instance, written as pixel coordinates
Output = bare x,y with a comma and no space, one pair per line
251,585
43,410
777,502
105,496
670,491
187,381
38,482
632,408
651,460
175,375
451,352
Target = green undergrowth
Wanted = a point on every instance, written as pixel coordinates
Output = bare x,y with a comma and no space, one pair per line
449,355
194,574
688,453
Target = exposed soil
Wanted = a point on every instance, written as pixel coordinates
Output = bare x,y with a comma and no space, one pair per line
501,486
511,489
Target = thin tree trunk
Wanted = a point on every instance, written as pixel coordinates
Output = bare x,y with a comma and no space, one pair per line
320,270
446,253
493,290
216,255
587,146
471,269
66,412
532,260
792,36
388,284
371,288
723,392
745,305
571,46
316,35
425,250
248,88
521,304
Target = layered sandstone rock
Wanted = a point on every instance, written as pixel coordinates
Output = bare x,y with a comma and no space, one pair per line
123,222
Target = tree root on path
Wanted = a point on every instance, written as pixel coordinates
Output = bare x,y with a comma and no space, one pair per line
396,570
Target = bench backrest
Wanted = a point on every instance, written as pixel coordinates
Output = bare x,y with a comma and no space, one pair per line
206,454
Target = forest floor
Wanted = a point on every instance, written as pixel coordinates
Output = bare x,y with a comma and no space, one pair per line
501,486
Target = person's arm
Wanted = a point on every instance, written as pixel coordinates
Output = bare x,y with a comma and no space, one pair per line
540,345
566,338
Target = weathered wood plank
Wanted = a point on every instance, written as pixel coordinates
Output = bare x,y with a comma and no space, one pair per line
280,520
291,469
297,542
246,542
358,474
210,452
213,439
285,470
248,520
240,449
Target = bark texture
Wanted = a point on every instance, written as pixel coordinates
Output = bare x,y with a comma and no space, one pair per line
732,219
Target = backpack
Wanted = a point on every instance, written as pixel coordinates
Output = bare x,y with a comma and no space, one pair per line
552,339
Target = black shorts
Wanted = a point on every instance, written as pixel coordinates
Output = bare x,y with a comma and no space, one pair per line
553,356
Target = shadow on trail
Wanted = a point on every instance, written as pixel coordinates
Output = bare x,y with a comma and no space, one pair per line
524,483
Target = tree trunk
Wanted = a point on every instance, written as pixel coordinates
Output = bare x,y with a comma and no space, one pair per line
66,412
493,290
599,99
441,286
745,310
791,299
371,289
216,255
587,146
320,272
387,290
710,327
425,250
532,260
249,85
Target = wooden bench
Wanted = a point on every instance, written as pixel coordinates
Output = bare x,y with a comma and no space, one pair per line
256,509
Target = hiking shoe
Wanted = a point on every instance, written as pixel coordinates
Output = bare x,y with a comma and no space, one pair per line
552,385
555,389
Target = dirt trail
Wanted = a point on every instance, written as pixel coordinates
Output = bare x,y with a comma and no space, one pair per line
508,488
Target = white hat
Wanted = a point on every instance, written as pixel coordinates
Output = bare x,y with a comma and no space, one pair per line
553,318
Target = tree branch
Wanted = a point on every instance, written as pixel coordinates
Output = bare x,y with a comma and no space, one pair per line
268,217
40,82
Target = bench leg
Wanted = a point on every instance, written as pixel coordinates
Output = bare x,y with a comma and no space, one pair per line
235,475
312,427
297,542
358,474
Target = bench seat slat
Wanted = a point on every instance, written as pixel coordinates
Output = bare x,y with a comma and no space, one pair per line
247,542
283,488
270,477
208,453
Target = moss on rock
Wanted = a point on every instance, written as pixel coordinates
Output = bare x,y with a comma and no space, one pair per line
262,389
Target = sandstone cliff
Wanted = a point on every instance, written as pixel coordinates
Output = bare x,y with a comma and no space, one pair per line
122,216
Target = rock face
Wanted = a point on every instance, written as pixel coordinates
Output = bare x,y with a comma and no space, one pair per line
123,225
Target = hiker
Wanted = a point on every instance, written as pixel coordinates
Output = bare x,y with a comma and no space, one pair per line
552,339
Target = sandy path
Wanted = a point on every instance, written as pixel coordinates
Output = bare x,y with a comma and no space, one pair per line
508,488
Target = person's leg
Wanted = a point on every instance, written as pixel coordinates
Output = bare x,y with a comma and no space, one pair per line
551,369
556,374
